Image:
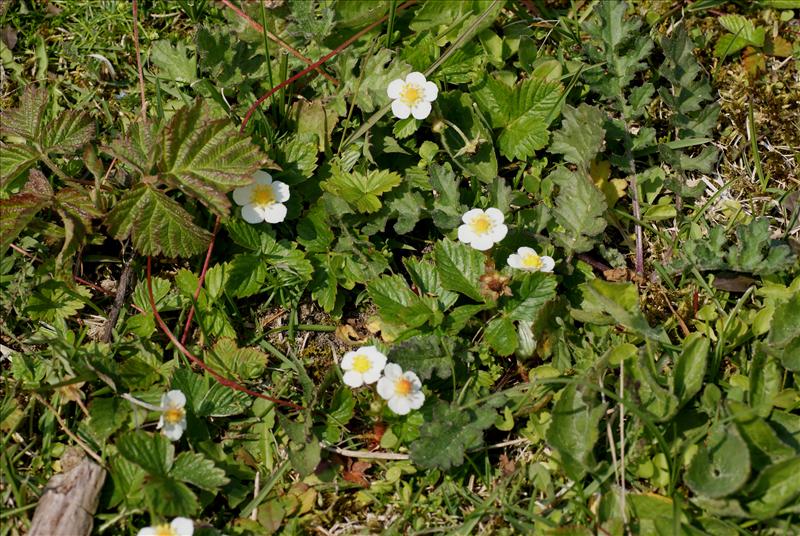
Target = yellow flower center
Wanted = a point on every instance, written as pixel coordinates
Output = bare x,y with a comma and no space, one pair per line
403,387
174,416
262,195
481,224
411,94
361,363
165,530
532,261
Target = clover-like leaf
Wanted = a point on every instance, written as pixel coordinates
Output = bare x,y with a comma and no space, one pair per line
445,439
156,224
361,190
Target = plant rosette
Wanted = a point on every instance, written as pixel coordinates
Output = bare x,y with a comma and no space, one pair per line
482,229
262,201
412,96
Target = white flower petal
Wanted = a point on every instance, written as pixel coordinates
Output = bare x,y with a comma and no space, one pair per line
372,375
471,215
482,243
399,405
525,251
547,264
251,215
393,371
465,234
385,388
262,177
273,213
430,91
347,360
243,195
148,531
495,215
173,432
395,88
421,110
498,232
414,379
183,526
353,379
416,399
400,110
281,191
176,399
160,422
514,261
416,78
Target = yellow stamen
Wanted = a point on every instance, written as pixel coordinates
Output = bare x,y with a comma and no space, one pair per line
361,363
403,387
481,224
532,261
174,416
262,195
411,94
165,530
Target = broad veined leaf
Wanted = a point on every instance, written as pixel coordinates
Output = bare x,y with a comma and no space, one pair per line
501,335
460,267
156,224
76,209
362,190
765,445
25,121
18,210
171,497
196,469
579,210
14,161
581,135
206,157
444,440
784,337
529,296
722,464
138,148
54,301
776,487
398,304
230,360
152,452
246,275
475,154
690,368
573,430
426,354
67,133
174,62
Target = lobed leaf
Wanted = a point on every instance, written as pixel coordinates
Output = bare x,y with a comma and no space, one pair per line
460,267
19,210
67,133
25,121
361,190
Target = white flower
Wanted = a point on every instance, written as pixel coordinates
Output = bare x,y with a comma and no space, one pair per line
403,390
527,259
482,229
263,200
173,416
364,366
180,526
412,96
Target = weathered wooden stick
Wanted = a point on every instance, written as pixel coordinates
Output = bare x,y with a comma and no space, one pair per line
69,501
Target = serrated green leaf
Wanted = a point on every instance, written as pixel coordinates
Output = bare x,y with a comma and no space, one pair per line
460,267
206,157
743,28
444,440
573,430
246,275
139,147
501,335
106,416
156,224
152,452
297,158
579,210
234,362
196,469
529,296
19,210
476,155
54,300
174,62
67,133
581,135
722,464
171,498
14,161
397,303
426,355
25,121
361,190
77,210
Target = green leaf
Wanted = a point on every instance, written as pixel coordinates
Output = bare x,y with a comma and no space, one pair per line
234,362
361,190
501,335
447,207
152,452
579,210
765,445
297,158
106,416
14,161
776,487
19,210
743,28
722,464
581,135
25,121
690,367
196,469
529,296
304,448
397,303
67,133
444,440
206,157
139,147
784,337
460,267
475,155
156,224
170,497
661,403
54,300
174,62
766,380
573,430
427,354
246,276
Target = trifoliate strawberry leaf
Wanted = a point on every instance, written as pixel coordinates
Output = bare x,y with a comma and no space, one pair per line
453,431
234,362
182,501
67,133
501,335
581,135
196,469
579,211
524,112
152,452
156,224
18,210
398,304
25,121
574,429
460,267
361,190
529,296
206,157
